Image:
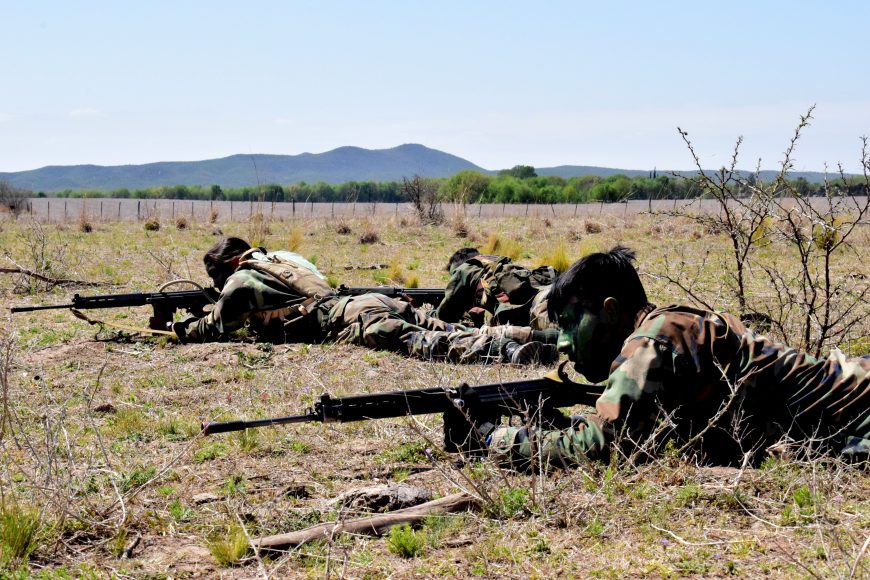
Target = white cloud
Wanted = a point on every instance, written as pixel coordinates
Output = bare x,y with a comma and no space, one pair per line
5,117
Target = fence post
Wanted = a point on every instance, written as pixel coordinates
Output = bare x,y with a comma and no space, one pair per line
138,210
101,210
119,211
231,210
48,212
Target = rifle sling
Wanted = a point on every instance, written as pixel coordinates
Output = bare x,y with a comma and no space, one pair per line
81,315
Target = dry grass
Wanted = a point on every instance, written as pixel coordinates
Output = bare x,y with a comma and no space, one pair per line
100,439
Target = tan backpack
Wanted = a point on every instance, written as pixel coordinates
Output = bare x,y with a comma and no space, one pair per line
308,283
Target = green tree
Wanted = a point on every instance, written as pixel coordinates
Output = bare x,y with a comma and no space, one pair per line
466,186
520,172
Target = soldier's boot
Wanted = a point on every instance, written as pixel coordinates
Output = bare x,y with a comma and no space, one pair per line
530,353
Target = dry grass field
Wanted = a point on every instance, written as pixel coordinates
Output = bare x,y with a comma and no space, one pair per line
104,472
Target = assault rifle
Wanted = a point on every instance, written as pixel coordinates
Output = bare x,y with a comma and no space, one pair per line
165,303
464,407
416,296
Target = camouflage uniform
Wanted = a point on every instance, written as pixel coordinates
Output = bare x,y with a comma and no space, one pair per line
685,370
491,290
373,320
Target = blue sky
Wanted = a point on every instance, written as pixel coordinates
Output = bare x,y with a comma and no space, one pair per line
499,83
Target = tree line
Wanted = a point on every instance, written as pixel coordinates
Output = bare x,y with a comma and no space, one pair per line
520,184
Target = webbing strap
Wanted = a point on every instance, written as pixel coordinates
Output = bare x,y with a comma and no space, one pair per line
82,316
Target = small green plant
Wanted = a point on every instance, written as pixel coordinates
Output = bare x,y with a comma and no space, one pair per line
405,453
406,542
19,534
595,528
177,429
179,511
210,451
508,503
802,508
688,494
247,440
300,447
229,549
134,478
234,485
132,424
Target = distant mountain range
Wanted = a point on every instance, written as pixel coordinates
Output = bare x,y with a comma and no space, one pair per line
336,166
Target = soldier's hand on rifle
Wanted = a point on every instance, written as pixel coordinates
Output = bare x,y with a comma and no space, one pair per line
180,327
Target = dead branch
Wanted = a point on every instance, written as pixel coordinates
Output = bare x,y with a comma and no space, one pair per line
374,525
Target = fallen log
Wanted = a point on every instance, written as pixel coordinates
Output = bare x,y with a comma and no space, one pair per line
373,526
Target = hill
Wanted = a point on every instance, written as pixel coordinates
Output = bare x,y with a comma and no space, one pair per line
337,166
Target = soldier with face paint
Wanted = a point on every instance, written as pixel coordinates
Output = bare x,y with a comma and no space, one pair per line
697,378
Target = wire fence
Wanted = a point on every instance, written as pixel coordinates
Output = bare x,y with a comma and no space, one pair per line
108,209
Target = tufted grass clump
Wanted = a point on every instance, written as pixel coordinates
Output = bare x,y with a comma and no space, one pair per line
502,247
231,548
152,225
557,258
294,241
19,534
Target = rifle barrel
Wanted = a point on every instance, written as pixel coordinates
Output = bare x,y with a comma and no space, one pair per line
15,309
225,426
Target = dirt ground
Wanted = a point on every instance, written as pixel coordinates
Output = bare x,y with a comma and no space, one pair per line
101,435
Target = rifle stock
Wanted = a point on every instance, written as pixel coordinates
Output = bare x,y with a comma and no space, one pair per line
464,407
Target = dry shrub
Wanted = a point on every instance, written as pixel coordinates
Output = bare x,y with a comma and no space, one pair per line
593,227
213,215
404,222
369,236
460,229
152,225
547,222
258,229
294,241
575,236
181,223
343,228
85,226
